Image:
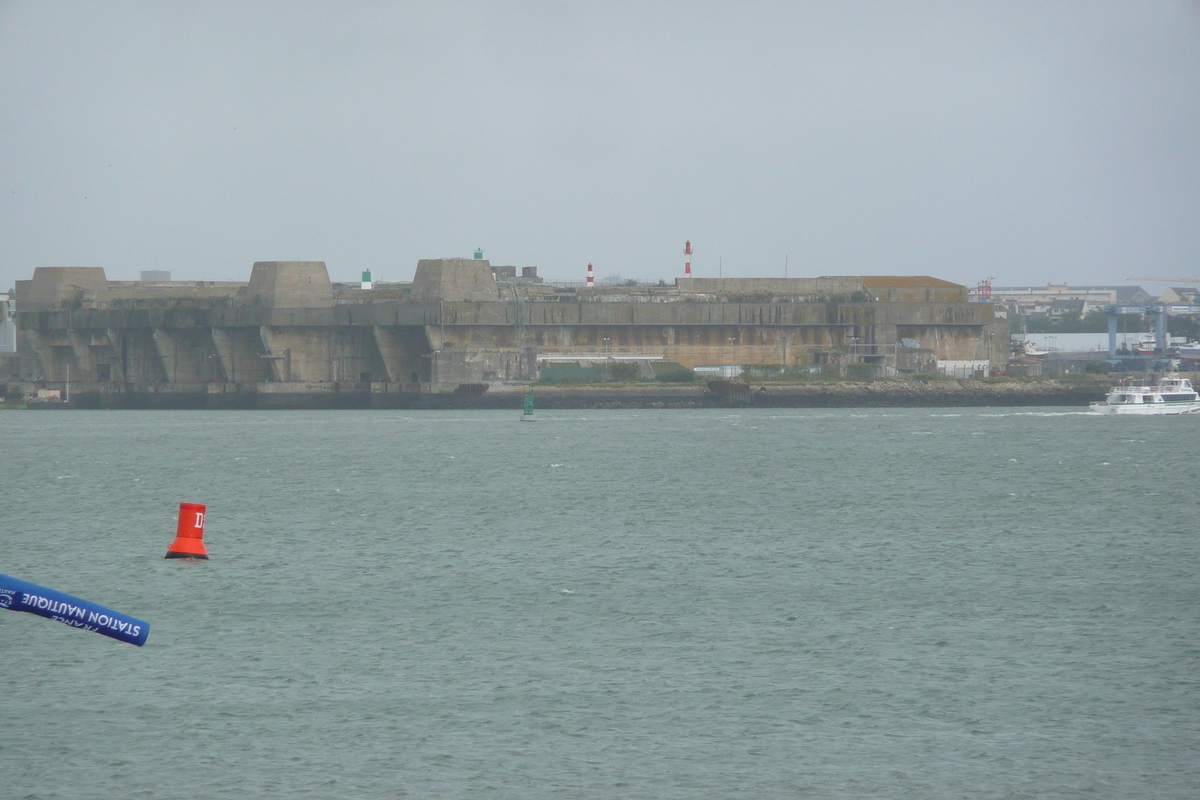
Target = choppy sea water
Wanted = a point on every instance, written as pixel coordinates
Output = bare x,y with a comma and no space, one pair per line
615,604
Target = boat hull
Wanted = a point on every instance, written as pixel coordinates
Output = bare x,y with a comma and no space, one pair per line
1146,409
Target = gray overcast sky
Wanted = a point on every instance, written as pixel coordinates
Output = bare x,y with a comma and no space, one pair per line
1030,141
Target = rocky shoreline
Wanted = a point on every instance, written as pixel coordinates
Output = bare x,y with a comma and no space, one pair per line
839,394
709,394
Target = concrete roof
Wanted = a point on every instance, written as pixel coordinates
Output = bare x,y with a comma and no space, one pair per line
904,281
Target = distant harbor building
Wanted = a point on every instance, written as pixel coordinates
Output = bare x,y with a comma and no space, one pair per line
1187,295
1055,299
156,275
1060,307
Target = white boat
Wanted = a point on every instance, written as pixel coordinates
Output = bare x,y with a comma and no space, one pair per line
1027,349
1171,395
1146,347
1191,350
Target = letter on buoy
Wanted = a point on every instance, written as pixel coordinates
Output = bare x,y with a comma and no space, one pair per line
189,533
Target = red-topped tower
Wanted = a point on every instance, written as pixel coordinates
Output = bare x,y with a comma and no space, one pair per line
687,257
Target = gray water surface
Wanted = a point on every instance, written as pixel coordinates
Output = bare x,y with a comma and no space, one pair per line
617,604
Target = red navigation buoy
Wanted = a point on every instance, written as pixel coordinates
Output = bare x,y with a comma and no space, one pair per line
189,534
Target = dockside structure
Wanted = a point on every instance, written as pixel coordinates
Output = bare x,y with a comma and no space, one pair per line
291,338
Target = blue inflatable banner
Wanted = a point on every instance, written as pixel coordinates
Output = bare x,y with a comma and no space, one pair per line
18,595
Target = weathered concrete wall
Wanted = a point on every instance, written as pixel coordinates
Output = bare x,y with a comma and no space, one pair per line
454,279
354,357
948,343
453,366
297,355
240,351
934,313
894,289
921,294
41,344
510,313
284,327
404,353
583,314
10,368
56,287
92,353
778,286
188,355
290,284
173,291
138,356
477,342
914,289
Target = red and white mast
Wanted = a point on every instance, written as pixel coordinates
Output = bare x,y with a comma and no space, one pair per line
687,258
591,278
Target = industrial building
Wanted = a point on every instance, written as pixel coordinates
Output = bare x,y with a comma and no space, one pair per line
1053,299
289,337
